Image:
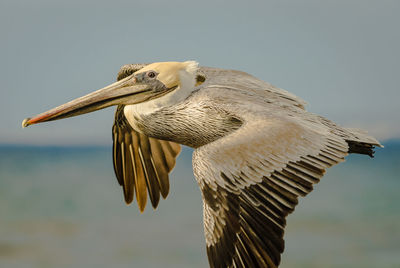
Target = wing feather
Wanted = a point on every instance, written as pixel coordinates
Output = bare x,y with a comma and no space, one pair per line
159,161
139,175
252,179
169,153
128,170
141,163
152,180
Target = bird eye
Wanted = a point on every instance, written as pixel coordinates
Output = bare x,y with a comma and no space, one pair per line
151,74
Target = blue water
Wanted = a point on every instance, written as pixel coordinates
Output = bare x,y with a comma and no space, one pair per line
62,207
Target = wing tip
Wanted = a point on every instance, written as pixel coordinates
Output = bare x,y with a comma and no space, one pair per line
128,199
141,206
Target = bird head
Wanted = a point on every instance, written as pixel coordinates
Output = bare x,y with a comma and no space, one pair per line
150,82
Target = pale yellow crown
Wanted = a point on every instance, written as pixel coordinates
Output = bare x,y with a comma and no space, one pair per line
169,73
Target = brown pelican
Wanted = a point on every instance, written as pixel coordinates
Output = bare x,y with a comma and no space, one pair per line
256,149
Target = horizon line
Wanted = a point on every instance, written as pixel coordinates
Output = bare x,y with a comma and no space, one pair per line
80,145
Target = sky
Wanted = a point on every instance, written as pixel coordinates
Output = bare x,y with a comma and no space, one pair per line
341,56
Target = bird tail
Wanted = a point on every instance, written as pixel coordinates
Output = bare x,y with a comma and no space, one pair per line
361,143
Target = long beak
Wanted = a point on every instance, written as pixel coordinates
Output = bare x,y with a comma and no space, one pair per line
117,93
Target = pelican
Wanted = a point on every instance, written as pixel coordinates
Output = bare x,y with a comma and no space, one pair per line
256,149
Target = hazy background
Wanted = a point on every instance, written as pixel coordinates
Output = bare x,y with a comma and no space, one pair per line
62,207
341,56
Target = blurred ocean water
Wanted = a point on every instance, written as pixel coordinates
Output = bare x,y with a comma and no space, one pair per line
62,207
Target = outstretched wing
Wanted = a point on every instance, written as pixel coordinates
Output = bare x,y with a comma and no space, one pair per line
141,163
251,180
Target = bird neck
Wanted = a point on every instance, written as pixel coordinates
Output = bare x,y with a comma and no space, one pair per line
191,122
